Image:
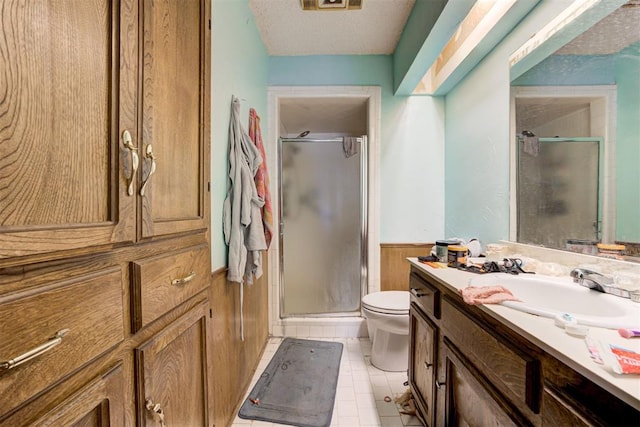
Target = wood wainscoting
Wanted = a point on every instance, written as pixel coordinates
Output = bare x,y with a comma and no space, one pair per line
394,268
234,360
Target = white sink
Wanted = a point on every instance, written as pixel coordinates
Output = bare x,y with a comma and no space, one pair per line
549,296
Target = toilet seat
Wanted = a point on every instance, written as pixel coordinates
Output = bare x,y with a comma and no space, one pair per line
387,302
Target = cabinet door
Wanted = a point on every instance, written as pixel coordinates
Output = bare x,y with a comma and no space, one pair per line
559,411
469,399
173,373
175,116
68,92
99,403
422,359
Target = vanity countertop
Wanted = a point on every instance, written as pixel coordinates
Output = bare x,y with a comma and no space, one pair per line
544,333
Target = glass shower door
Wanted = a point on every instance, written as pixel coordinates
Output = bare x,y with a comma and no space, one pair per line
321,211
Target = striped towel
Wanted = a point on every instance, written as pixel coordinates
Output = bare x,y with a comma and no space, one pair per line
262,177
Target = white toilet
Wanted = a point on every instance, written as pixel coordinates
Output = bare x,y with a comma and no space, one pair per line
387,316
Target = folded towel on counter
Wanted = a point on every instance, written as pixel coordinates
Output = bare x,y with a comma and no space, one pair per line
486,295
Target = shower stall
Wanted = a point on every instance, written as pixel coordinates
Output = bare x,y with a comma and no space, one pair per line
323,226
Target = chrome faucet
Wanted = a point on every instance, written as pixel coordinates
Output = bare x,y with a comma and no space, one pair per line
592,279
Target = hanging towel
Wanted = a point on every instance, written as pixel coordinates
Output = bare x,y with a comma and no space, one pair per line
350,145
531,143
243,231
262,177
486,295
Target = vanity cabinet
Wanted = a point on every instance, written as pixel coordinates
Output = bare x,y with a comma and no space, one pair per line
469,399
104,212
475,370
423,336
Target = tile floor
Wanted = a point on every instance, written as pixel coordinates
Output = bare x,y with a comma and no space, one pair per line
361,392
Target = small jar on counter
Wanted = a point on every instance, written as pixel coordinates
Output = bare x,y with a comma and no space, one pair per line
611,250
457,256
442,249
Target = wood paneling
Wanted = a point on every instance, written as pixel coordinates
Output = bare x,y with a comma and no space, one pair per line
234,360
394,268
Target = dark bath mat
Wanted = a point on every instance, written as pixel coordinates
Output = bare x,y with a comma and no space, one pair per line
298,387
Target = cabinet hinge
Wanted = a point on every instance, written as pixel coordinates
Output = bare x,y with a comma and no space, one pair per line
209,23
211,313
209,186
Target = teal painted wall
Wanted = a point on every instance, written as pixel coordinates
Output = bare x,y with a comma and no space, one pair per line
411,146
628,145
477,138
239,67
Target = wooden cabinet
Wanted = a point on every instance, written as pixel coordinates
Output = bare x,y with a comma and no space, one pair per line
100,402
77,168
69,88
485,373
104,211
172,373
175,116
469,399
423,338
50,332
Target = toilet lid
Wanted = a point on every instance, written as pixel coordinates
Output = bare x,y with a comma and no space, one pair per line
391,302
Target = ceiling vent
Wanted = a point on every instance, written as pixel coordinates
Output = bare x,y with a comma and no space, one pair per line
331,4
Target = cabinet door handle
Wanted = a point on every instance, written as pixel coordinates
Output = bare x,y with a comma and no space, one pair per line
439,384
417,293
183,280
34,352
428,365
156,411
135,160
152,169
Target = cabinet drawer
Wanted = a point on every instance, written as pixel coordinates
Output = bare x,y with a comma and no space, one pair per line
162,282
508,368
88,308
425,295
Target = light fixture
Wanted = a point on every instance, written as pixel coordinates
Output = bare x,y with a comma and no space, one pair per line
331,4
481,19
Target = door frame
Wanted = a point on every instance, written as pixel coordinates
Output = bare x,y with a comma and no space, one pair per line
372,95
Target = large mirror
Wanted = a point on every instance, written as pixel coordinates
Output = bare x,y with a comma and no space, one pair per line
575,120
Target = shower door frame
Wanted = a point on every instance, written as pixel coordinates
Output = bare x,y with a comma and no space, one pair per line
364,186
372,95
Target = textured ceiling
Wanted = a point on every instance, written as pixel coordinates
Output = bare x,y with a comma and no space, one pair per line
287,30
615,32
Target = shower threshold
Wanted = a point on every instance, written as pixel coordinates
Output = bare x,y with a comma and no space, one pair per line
320,327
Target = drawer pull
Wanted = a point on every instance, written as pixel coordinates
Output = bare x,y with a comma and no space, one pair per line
417,293
152,169
34,352
135,161
183,280
157,413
